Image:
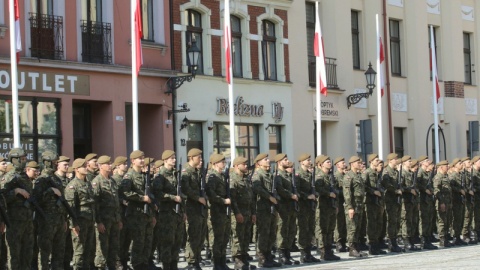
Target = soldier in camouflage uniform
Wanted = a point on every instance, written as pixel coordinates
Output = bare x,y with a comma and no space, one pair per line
476,193
427,204
48,190
392,206
172,213
354,192
20,235
457,182
92,166
139,214
120,167
374,203
443,193
470,202
340,236
307,206
286,229
327,207
156,230
244,213
196,209
409,203
266,212
107,215
3,243
79,194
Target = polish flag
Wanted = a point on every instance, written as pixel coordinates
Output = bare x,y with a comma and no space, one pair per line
433,66
18,38
320,54
138,36
227,43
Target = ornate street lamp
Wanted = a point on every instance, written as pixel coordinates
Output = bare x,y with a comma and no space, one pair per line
370,75
173,83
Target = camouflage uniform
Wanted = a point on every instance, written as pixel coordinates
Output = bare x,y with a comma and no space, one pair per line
427,207
79,194
243,202
171,236
20,235
326,214
306,215
458,203
124,238
408,207
51,231
139,224
469,206
3,241
375,208
286,229
68,254
354,192
443,193
107,212
476,206
392,207
340,236
196,213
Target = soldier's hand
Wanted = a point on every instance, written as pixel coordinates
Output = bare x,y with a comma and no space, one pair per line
398,192
311,197
470,192
295,197
442,207
414,192
228,201
120,225
239,218
2,227
333,195
428,191
178,199
254,219
125,202
147,199
56,191
100,228
22,192
463,192
273,200
351,213
76,230
377,193
202,200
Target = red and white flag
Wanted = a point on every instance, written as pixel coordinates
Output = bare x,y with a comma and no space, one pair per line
382,66
18,36
138,36
433,66
227,43
320,54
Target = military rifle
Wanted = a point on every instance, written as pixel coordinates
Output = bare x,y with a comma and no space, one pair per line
61,199
399,184
294,189
273,191
313,191
179,186
414,185
148,192
226,176
333,182
31,200
203,184
429,183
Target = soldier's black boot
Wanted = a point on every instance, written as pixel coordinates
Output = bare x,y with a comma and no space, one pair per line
239,264
426,244
406,244
459,242
283,258
289,257
303,256
379,250
329,256
247,263
412,245
223,261
263,261
312,258
393,246
372,249
151,265
353,252
382,244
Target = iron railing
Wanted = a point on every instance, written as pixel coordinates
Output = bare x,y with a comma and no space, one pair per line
331,72
96,42
46,34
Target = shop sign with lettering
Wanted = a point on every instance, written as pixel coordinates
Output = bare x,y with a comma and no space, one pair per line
329,106
240,108
32,81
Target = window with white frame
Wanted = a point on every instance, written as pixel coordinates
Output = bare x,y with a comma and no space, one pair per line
395,49
269,55
467,57
235,23
194,34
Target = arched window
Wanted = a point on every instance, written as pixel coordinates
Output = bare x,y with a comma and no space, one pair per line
268,50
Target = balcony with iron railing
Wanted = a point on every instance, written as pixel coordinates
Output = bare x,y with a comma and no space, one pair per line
46,34
331,72
96,42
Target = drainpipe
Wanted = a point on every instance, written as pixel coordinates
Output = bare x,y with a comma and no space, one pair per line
387,78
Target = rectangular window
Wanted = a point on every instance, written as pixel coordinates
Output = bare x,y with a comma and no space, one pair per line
430,50
246,137
467,58
194,34
92,10
236,46
195,136
355,39
274,140
399,142
42,6
269,54
147,20
395,50
310,19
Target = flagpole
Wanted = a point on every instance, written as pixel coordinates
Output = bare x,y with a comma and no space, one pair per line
434,88
14,74
229,77
379,93
318,94
134,77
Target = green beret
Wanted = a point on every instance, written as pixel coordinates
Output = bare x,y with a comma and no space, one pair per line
392,156
194,152
215,158
280,156
406,158
167,154
149,160
2,159
353,159
441,163
70,170
455,161
103,160
371,157
414,163
158,163
260,157
32,164
421,158
338,159
63,158
119,160
136,154
77,163
303,157
320,159
239,160
475,159
90,157
464,159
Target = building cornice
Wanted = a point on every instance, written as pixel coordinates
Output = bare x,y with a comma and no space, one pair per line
285,4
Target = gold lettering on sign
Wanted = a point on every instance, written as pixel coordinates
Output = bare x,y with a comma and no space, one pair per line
240,108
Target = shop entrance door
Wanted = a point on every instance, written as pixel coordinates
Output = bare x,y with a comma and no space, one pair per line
82,129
